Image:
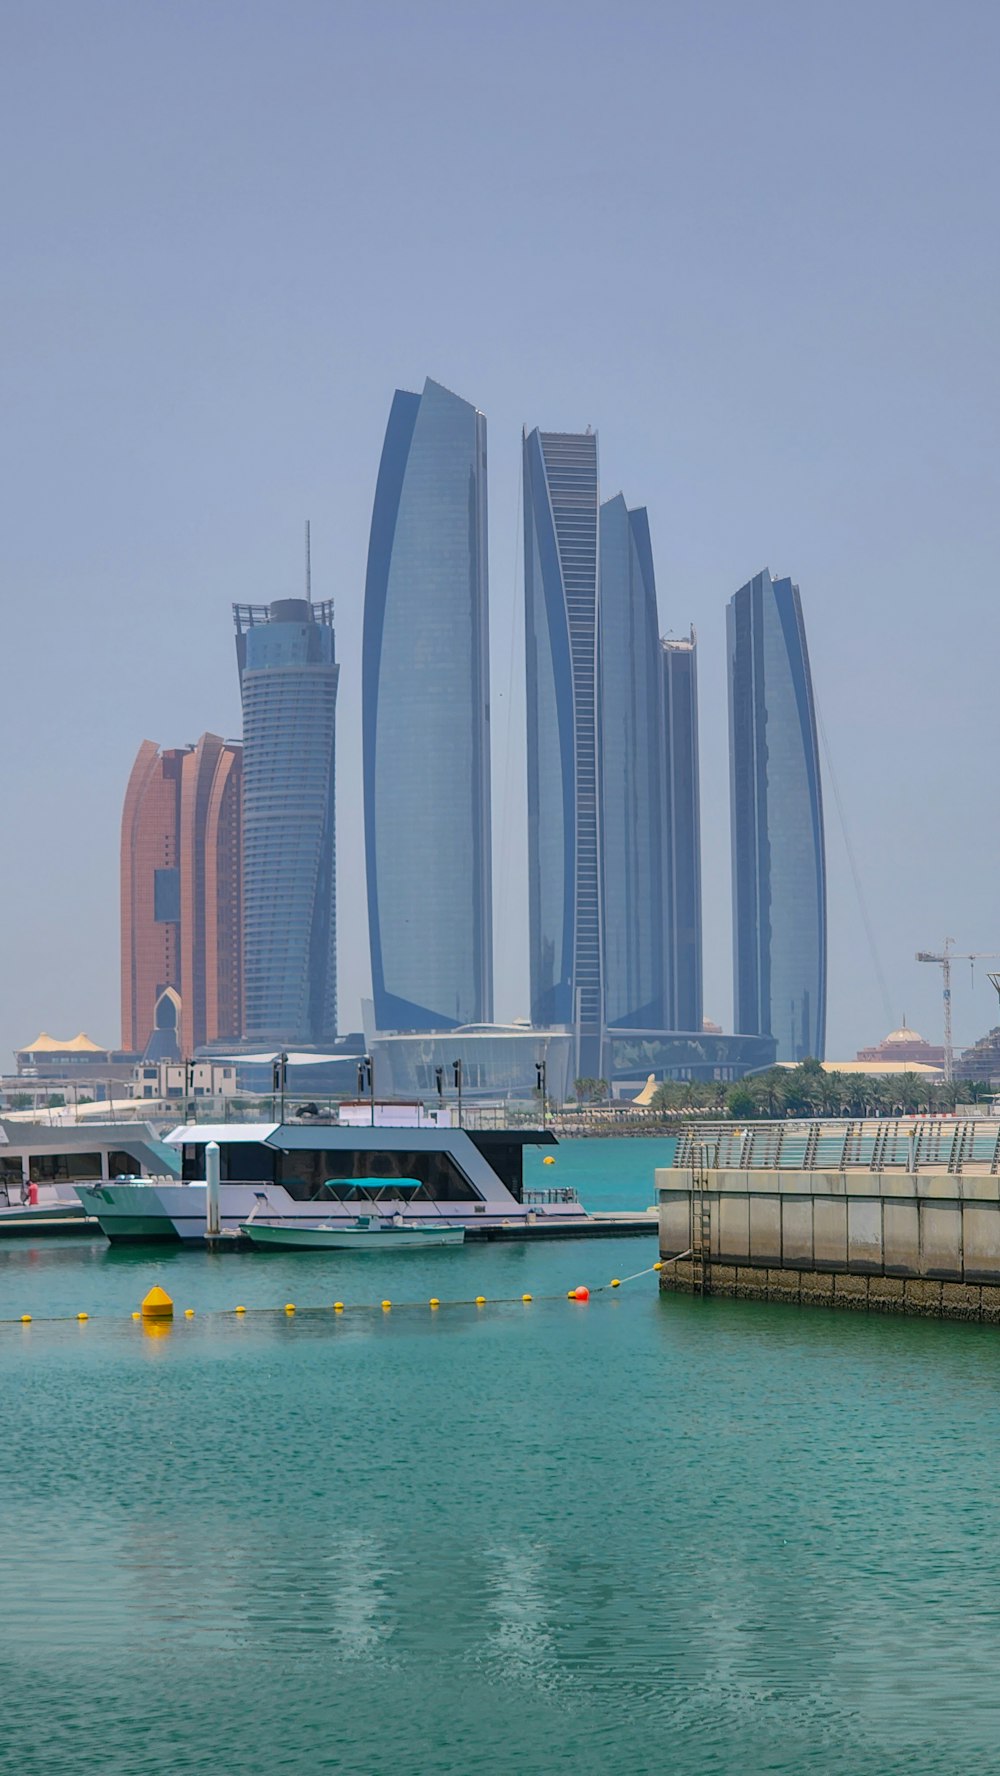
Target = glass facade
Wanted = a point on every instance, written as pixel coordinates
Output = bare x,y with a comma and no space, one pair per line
635,925
779,869
288,681
681,835
561,645
426,719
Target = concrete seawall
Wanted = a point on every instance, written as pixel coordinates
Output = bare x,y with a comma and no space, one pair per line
924,1242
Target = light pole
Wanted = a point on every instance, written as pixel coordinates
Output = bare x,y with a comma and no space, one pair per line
279,1071
366,1081
457,1066
540,1075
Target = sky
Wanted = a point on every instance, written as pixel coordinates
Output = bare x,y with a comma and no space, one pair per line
754,245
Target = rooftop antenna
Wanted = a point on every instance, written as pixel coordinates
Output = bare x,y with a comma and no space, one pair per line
309,578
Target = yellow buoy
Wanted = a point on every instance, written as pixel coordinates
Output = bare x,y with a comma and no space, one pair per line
525,1297
616,1282
549,1160
657,1266
189,1313
83,1316
136,1315
157,1305
26,1319
387,1304
338,1307
480,1300
289,1307
434,1302
239,1310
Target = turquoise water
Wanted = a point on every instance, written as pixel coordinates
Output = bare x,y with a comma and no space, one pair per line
643,1534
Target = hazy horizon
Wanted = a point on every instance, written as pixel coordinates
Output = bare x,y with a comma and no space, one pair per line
755,249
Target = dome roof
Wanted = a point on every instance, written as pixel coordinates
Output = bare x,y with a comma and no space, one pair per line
903,1035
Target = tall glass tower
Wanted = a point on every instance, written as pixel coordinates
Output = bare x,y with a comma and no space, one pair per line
288,682
426,737
779,867
632,773
681,834
564,816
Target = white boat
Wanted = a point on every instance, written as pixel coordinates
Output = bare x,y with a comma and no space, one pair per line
367,1233
297,1176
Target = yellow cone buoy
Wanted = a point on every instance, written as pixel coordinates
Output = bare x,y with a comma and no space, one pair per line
157,1305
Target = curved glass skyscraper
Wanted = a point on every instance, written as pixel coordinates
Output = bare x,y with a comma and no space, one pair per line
426,740
288,682
681,835
564,815
779,867
632,772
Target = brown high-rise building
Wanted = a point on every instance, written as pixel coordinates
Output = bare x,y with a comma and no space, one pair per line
181,901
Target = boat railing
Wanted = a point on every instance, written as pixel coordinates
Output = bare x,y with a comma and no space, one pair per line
546,1198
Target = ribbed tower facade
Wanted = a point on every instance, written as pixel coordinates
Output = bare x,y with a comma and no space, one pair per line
632,775
561,572
426,734
681,835
288,683
181,898
779,868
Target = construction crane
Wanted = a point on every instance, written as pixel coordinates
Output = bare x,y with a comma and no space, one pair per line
944,962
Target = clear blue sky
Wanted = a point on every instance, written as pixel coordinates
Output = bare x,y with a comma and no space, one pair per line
755,245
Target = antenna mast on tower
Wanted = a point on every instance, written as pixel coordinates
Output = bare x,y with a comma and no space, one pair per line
309,591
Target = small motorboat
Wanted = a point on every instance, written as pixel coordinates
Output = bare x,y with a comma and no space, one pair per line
366,1233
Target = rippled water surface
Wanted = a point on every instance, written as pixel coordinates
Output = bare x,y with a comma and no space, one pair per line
640,1534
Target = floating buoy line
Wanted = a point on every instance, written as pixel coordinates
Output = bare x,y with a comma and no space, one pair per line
157,1309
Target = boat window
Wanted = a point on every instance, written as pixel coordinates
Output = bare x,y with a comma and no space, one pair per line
321,1175
121,1164
240,1162
63,1168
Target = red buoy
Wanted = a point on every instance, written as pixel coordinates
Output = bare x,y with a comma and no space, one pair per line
581,1294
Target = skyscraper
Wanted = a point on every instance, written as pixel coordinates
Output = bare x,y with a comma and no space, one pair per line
632,775
426,736
564,817
181,972
779,869
288,683
681,834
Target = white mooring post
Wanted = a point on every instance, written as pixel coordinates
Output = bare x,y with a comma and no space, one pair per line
212,1190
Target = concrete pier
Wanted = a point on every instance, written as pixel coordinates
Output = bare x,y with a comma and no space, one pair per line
878,1236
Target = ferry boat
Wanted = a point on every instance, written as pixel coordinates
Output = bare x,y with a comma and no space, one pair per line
41,1165
282,1172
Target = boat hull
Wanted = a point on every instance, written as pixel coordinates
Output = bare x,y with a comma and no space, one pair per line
350,1239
